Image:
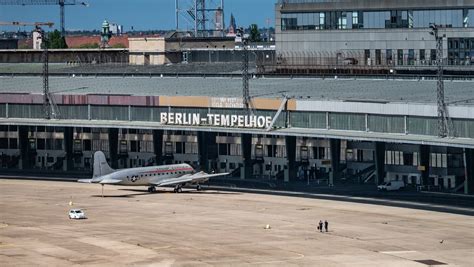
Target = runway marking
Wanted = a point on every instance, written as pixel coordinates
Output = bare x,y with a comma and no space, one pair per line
3,225
398,252
159,248
298,256
5,245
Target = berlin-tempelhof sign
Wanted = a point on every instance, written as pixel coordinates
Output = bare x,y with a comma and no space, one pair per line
218,120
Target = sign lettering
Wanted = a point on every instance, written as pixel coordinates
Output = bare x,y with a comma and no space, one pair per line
217,120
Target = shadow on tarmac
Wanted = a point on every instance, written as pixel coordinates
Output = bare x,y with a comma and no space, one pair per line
401,203
145,193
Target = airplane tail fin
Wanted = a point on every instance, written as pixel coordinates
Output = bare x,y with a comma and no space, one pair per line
101,167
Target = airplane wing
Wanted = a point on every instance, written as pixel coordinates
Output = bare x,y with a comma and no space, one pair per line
189,178
110,181
105,181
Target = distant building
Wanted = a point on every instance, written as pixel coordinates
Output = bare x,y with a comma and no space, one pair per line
8,44
373,32
232,26
116,29
90,41
174,48
37,40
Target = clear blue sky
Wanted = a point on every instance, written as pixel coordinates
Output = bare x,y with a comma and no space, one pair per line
141,14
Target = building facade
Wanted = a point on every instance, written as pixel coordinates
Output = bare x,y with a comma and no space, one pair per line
373,33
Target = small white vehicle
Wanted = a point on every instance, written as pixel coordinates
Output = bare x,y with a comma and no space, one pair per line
391,186
77,214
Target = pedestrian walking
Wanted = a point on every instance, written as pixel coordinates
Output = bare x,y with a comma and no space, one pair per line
320,227
326,224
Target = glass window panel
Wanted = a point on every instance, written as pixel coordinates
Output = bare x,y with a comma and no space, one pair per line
444,15
432,16
417,19
366,20
437,16
410,19
469,17
449,19
457,18
426,19
300,20
305,20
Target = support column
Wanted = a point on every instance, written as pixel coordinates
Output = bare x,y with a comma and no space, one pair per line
24,147
469,181
290,172
379,162
158,146
68,147
425,162
113,147
335,147
207,147
246,170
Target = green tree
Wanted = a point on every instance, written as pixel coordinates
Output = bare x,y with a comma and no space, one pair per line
119,45
89,45
254,33
56,41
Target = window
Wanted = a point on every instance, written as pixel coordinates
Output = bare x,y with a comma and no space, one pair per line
41,144
13,143
378,57
455,18
367,57
411,57
322,20
355,20
400,57
223,149
389,57
4,143
87,145
422,56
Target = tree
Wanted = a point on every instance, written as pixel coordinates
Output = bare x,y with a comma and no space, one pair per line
119,45
56,41
89,46
254,33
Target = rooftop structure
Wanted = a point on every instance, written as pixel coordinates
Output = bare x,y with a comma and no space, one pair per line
364,90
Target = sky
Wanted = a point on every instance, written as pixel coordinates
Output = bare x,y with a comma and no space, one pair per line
141,14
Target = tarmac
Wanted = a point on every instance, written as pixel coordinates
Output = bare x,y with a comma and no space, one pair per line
130,226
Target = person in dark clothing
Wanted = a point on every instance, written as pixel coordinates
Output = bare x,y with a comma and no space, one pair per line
320,226
326,224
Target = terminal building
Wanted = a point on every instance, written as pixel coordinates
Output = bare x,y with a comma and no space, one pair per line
373,33
327,131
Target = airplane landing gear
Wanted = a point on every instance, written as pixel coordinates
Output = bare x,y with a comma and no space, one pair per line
178,189
198,187
151,189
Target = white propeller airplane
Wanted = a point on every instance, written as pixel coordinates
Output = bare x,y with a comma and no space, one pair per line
178,175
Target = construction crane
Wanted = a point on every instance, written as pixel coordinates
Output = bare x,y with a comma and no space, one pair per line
60,3
19,23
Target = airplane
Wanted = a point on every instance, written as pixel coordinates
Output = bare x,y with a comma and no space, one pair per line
178,175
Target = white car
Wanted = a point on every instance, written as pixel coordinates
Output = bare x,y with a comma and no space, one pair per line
77,214
391,186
